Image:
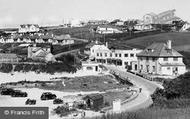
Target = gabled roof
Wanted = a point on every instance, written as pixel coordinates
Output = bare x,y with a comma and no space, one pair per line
166,12
159,50
93,43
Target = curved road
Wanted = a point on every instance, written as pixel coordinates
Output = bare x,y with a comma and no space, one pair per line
148,87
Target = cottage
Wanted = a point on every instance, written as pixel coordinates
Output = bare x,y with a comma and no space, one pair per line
94,101
117,22
160,59
28,28
40,53
97,22
63,40
107,29
8,58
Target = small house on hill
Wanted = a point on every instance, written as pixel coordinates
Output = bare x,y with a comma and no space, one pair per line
8,58
94,101
63,40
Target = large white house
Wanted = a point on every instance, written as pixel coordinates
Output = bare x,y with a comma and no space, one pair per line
123,58
160,59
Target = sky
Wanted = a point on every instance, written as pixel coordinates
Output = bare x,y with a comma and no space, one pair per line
55,12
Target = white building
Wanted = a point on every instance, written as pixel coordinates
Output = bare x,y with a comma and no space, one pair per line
24,28
123,58
161,59
107,29
91,67
142,27
166,17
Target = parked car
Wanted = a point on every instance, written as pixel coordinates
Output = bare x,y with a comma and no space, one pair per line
7,91
30,102
18,93
57,101
48,96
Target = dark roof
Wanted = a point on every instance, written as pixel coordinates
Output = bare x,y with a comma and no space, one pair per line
121,47
94,96
159,50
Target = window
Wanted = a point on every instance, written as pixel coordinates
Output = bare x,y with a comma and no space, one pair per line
97,54
110,54
126,55
131,55
115,54
153,69
153,59
105,54
147,58
175,59
89,68
92,50
100,54
119,55
165,59
168,68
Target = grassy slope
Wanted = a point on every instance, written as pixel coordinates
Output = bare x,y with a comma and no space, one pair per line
180,113
180,41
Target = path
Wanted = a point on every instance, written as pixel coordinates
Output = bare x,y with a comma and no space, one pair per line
143,100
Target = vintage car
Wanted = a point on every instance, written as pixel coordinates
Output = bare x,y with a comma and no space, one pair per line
7,91
30,102
57,101
18,93
48,96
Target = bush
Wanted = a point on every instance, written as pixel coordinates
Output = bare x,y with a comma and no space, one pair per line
63,111
175,94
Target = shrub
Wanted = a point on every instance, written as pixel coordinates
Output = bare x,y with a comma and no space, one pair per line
63,111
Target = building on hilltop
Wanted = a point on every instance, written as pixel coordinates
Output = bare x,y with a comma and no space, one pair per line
166,17
63,40
29,28
151,19
8,58
107,29
160,59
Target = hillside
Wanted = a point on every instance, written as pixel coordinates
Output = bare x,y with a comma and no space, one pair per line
176,93
180,41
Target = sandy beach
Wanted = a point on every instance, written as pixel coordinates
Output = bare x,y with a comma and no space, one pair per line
35,93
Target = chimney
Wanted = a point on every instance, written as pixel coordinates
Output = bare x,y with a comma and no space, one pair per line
107,44
169,44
